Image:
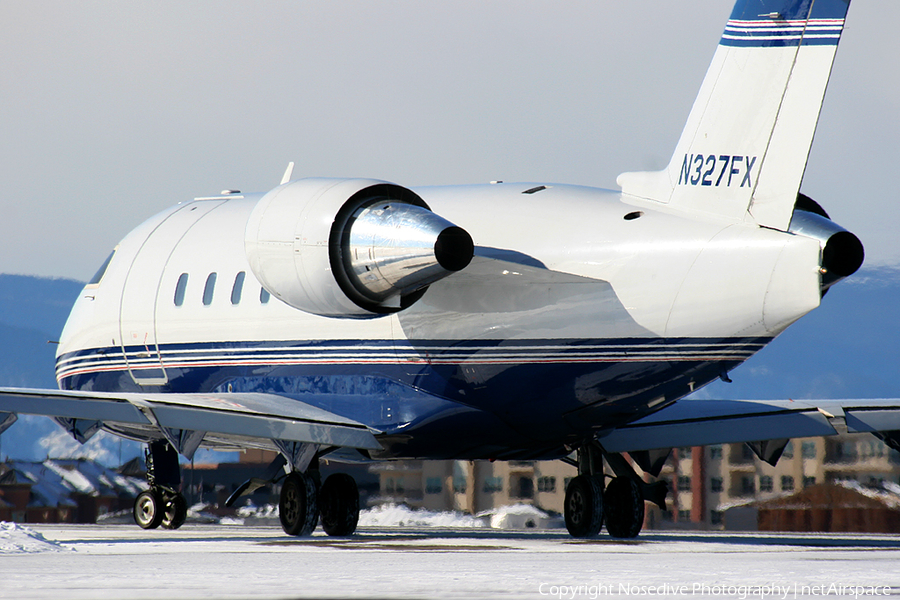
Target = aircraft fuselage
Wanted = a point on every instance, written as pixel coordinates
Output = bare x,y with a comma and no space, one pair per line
581,309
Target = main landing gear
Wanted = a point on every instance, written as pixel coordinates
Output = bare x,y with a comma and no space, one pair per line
620,504
162,504
302,502
305,501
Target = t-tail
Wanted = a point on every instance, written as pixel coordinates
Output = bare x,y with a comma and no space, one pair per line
743,151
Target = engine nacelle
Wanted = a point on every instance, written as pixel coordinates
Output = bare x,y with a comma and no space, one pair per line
842,252
350,247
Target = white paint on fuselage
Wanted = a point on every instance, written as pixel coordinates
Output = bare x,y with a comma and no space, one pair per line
671,276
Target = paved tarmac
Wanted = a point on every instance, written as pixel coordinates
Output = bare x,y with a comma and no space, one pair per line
216,561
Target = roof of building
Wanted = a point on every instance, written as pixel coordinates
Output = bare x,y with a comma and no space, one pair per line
54,482
840,494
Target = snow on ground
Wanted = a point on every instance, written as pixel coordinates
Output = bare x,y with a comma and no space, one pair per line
222,562
520,516
18,539
398,515
516,516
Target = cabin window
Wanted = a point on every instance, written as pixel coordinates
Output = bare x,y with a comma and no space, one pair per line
180,287
264,296
237,288
102,270
208,289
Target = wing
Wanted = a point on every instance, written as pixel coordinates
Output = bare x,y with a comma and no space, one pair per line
223,421
694,422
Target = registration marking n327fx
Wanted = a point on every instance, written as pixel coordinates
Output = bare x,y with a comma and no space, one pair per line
715,170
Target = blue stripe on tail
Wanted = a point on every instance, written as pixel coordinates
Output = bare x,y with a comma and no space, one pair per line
780,23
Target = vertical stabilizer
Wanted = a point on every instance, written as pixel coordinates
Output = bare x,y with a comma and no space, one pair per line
744,148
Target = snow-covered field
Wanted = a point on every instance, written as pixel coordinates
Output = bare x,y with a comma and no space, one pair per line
221,561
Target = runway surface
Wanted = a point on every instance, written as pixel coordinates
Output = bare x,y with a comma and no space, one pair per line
216,561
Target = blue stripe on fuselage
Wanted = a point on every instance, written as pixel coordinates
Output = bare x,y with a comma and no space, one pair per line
540,389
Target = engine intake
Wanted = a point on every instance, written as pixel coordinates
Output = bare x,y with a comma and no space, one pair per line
351,248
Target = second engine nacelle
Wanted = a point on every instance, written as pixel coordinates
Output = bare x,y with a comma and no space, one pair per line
350,247
842,252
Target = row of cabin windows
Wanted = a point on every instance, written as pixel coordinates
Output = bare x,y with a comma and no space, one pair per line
209,289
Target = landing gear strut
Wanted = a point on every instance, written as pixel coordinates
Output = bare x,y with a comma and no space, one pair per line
162,504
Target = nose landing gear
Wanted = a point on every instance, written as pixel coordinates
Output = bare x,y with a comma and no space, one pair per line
162,504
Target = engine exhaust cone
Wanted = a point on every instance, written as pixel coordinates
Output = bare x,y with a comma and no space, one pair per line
454,248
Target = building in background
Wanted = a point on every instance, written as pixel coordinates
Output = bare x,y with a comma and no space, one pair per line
63,491
710,487
474,486
706,481
703,481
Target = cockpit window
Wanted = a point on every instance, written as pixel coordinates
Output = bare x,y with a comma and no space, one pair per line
102,270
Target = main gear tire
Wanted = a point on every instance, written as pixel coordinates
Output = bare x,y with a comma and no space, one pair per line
624,506
339,504
584,506
298,506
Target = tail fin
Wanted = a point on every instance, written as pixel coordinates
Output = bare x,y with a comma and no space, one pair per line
746,142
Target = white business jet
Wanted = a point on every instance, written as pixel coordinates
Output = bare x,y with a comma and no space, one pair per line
360,320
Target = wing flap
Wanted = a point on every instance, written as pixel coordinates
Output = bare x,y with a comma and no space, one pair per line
695,422
266,416
72,405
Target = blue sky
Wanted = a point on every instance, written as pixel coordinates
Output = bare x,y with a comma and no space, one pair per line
112,111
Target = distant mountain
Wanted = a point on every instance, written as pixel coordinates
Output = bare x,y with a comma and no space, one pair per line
849,347
37,303
33,311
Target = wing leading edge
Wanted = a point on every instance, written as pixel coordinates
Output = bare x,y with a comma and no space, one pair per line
189,420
